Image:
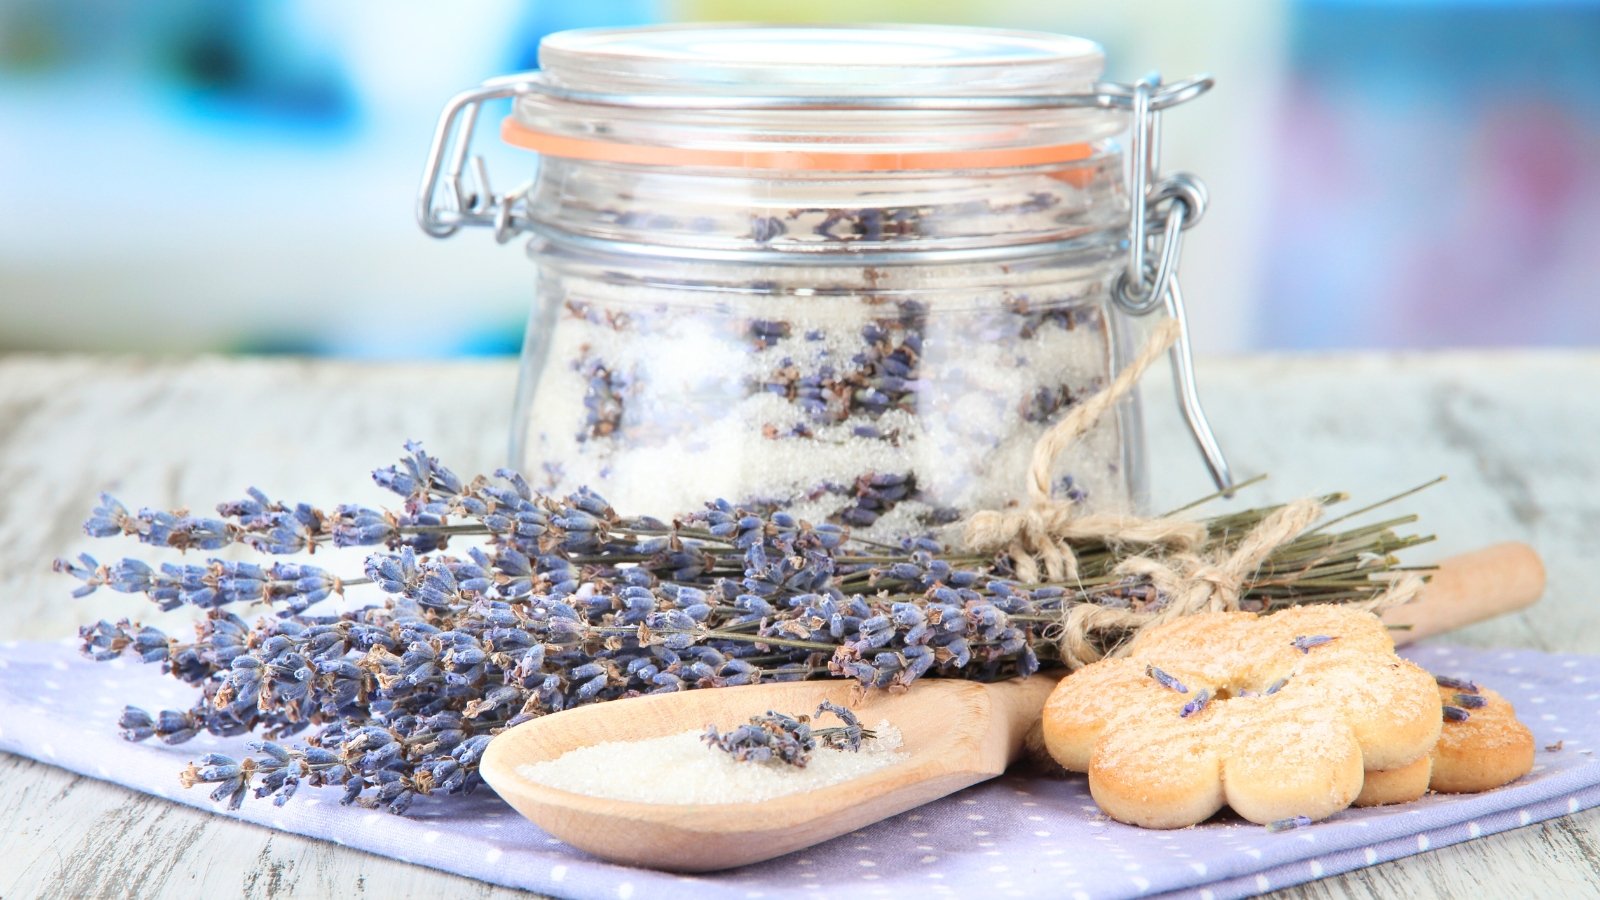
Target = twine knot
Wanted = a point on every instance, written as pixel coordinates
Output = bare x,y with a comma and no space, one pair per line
1037,538
1037,532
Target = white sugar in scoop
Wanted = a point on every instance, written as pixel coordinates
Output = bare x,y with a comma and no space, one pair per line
607,778
682,768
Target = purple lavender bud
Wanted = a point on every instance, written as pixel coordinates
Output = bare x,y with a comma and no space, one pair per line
591,687
907,615
1196,705
136,724
961,653
1305,643
1457,684
857,516
518,483
276,752
905,571
1165,680
1277,686
1471,701
130,576
1456,713
762,230
470,750
108,519
860,671
218,773
1027,662
1288,824
1012,640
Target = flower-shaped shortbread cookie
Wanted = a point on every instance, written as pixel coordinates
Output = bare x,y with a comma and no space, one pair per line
1276,716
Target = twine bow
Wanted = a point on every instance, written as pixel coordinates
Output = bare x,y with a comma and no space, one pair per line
1040,534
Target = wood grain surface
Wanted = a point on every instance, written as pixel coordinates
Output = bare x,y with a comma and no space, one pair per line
1517,432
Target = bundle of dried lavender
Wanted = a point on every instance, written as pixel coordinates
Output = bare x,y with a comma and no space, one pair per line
565,603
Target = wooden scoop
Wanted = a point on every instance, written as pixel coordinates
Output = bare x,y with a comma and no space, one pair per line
1472,587
956,733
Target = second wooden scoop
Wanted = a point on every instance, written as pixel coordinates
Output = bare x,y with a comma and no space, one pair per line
956,733
1472,587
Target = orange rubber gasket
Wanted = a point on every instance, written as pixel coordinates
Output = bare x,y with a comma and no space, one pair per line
518,135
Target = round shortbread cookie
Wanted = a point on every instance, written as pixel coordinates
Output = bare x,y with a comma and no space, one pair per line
1400,785
1284,712
1485,750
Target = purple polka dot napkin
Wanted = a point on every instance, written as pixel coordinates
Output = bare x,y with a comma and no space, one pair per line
1011,837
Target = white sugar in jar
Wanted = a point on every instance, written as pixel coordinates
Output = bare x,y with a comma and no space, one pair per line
768,272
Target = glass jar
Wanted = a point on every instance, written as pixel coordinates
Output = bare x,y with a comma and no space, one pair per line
768,273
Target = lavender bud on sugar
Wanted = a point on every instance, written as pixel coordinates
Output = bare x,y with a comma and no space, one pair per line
1471,701
1457,684
1305,643
1196,705
1165,680
1456,713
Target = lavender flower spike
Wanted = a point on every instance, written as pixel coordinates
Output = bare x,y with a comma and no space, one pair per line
1194,706
1305,643
1288,824
1165,680
846,738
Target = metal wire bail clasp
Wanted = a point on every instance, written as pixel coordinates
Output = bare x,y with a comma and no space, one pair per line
1163,207
440,217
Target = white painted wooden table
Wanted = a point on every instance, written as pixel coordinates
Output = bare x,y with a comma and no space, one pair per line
1518,433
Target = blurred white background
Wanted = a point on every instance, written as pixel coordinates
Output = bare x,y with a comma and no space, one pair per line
237,175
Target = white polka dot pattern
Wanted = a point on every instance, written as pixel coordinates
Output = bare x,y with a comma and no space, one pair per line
1010,837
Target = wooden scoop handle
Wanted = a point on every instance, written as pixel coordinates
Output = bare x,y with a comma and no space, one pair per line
1017,705
1469,588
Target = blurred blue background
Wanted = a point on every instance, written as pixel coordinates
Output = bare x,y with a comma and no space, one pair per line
238,175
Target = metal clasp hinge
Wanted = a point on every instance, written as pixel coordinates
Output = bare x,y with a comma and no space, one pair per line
1160,210
441,216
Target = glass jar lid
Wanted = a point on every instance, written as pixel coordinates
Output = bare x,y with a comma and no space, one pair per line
810,61
612,97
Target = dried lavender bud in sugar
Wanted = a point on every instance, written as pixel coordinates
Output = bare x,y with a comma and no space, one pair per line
1471,701
1456,684
1194,706
1165,680
1305,643
1456,713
